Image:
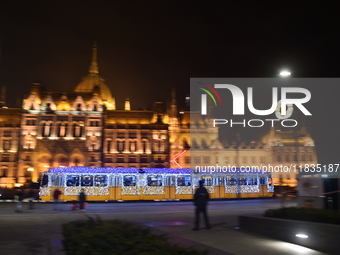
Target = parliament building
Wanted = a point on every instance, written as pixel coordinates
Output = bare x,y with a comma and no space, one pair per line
84,128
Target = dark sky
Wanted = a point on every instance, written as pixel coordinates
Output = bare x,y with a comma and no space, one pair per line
147,47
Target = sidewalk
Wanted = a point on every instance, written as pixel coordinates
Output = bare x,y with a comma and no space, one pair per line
39,231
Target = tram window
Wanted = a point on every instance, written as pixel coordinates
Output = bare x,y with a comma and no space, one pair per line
251,181
263,181
72,180
154,180
208,181
86,180
183,181
231,181
129,180
100,180
242,181
57,181
44,181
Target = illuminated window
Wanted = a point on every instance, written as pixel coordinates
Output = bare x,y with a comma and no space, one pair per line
133,145
47,129
184,180
242,181
129,180
100,180
230,181
208,181
86,180
154,180
72,180
120,146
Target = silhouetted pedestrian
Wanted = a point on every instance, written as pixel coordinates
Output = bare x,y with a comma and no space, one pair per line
19,196
201,198
82,200
31,195
56,200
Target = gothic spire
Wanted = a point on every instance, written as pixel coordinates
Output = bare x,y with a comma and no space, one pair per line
94,65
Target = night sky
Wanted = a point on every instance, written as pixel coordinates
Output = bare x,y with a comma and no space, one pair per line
147,47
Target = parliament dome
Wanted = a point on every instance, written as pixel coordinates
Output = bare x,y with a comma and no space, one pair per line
93,81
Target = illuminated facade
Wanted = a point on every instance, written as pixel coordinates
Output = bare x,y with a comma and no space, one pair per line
84,128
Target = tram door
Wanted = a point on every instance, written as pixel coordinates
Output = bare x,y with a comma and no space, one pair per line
114,186
169,187
219,188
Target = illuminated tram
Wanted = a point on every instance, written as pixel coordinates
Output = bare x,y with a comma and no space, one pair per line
110,184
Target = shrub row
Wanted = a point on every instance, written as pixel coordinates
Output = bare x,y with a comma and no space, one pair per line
304,214
97,237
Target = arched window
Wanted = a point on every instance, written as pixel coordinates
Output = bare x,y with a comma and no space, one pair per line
120,145
47,129
28,142
109,144
279,159
132,145
77,130
144,145
7,145
159,146
4,172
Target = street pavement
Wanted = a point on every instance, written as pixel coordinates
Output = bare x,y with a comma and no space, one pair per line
38,231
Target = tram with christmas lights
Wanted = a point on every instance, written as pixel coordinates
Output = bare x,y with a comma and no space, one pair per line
160,184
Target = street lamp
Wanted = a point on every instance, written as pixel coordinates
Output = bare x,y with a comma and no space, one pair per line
285,74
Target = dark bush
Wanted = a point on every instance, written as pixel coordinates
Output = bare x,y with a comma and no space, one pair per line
97,237
304,214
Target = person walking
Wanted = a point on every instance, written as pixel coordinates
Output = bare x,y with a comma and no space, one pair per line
82,200
31,195
19,197
56,195
201,198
